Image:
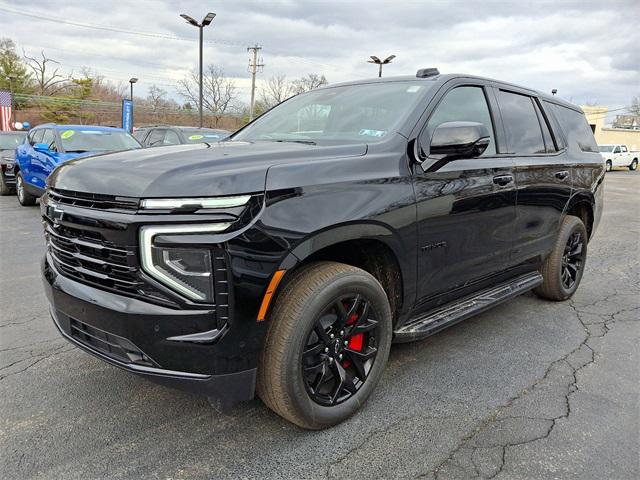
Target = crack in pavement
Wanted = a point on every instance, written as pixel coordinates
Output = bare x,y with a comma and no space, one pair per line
475,455
38,358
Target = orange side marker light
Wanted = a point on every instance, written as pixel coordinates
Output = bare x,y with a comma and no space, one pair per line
271,289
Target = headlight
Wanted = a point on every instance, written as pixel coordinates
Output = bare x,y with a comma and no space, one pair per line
188,271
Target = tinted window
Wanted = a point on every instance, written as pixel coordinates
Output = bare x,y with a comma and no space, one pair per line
49,138
463,104
524,135
575,127
156,137
546,131
171,138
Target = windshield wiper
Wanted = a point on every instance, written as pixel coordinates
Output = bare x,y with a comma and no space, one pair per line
76,151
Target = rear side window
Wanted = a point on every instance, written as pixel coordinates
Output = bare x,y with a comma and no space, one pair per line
549,144
624,148
575,127
524,134
463,104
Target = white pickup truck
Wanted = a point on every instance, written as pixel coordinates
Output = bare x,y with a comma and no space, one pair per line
619,156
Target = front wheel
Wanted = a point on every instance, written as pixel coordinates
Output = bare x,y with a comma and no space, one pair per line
24,197
563,268
634,164
609,166
327,345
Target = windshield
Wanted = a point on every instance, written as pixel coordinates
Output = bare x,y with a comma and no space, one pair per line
353,113
196,135
78,141
9,141
605,148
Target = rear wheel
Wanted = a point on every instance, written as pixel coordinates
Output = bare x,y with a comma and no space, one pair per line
634,164
563,268
24,197
327,345
609,165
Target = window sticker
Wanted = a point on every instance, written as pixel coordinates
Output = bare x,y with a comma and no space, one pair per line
196,137
212,136
67,134
94,132
373,133
413,88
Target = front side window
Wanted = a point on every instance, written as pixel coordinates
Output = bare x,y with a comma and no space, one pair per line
463,104
576,128
616,150
521,124
171,138
49,138
36,137
346,114
156,137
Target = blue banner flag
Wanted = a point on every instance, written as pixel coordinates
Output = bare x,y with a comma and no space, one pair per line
127,115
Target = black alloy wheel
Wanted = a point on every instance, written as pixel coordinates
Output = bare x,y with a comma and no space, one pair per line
340,350
573,260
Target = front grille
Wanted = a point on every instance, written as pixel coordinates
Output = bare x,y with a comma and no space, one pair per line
95,201
113,346
85,255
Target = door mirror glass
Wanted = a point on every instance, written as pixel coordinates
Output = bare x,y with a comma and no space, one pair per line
457,140
41,147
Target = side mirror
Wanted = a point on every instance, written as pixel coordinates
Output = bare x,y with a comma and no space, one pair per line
41,147
457,140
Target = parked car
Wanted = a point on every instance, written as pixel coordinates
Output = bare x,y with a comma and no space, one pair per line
619,156
285,260
8,143
50,145
163,135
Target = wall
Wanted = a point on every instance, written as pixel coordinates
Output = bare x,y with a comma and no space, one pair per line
607,135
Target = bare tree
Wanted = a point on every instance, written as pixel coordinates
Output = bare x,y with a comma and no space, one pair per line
276,90
308,83
219,94
47,82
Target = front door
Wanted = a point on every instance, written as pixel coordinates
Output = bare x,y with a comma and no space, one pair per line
465,209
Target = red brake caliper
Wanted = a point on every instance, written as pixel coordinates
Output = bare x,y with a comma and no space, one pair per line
355,342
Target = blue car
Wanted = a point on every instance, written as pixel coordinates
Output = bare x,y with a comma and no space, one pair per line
50,145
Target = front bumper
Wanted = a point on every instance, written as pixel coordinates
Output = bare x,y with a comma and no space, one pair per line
8,177
131,334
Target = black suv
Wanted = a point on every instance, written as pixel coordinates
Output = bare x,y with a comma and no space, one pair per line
287,259
163,135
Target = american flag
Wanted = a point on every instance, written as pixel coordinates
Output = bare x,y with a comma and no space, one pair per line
5,111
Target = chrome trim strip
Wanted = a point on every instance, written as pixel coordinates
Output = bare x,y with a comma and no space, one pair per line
148,232
204,202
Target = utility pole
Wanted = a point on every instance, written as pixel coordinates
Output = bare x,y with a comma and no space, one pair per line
253,68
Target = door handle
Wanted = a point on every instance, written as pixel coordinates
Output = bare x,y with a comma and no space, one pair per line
562,175
503,180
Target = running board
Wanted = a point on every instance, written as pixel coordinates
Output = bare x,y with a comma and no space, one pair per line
434,321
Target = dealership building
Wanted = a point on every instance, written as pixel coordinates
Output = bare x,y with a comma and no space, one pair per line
624,130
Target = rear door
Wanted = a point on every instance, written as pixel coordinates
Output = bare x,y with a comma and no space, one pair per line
543,175
465,209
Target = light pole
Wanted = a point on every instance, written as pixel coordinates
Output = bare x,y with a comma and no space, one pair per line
132,80
206,21
11,77
379,62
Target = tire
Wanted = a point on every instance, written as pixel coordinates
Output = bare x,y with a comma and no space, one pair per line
634,164
24,197
4,188
567,255
284,381
609,166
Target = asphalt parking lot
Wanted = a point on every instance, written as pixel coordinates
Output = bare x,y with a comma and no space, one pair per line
530,389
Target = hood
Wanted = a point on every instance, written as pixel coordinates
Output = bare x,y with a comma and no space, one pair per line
224,168
7,153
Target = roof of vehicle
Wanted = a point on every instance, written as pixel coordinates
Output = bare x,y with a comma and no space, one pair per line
56,126
182,127
442,78
13,132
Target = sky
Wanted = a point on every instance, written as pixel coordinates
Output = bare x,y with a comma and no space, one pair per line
589,51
